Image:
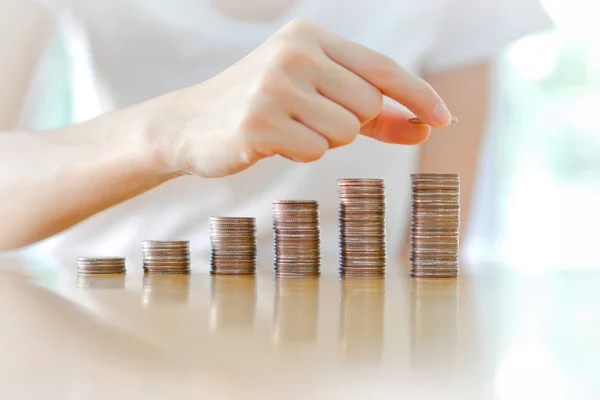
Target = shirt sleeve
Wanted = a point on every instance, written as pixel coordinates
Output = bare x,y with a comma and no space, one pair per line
474,30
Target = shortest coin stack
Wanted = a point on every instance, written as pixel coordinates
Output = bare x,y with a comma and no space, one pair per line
297,238
100,265
166,257
434,225
233,245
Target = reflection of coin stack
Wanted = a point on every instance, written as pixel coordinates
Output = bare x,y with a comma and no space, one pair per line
296,311
100,265
362,227
434,324
165,288
362,319
166,257
434,225
297,238
233,245
109,281
233,302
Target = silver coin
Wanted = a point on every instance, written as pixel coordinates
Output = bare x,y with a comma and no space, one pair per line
102,259
232,272
235,267
296,202
165,265
167,271
297,268
166,242
249,220
164,259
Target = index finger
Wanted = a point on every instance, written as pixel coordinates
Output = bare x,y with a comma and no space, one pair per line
390,78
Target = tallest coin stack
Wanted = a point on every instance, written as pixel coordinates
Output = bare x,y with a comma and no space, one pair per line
435,225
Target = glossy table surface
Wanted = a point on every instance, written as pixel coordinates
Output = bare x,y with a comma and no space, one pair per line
486,335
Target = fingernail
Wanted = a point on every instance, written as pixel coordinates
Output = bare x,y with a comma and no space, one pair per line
441,114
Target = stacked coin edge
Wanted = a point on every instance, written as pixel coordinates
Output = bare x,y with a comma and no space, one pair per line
233,245
362,227
166,256
435,223
100,265
296,238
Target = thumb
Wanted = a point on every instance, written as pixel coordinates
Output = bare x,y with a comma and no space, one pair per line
392,126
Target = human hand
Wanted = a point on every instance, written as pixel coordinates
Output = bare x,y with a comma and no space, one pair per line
302,92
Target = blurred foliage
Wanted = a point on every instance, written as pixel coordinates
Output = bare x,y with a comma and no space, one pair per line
571,72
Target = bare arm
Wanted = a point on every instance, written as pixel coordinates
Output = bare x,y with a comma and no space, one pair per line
283,99
455,148
52,180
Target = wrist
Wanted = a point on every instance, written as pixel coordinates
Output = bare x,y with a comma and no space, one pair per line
155,133
120,142
145,147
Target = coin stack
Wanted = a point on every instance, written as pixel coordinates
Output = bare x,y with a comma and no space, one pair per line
297,238
100,265
233,245
166,257
434,225
362,227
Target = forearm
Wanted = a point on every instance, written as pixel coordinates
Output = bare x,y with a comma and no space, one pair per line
52,180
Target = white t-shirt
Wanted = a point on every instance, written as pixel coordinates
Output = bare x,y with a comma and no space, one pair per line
126,51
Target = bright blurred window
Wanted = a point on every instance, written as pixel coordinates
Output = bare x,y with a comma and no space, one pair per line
540,185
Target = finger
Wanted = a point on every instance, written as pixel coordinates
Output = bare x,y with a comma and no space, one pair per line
390,78
297,142
393,125
338,125
350,91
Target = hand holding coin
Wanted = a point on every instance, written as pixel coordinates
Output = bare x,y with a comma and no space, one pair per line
302,92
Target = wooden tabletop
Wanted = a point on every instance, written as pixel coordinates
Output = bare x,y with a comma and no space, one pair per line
483,336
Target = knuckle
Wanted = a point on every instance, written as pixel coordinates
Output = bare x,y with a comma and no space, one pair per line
299,26
317,150
351,129
269,91
253,119
248,123
252,135
372,104
263,87
293,55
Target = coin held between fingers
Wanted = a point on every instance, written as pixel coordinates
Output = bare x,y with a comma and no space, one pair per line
417,121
